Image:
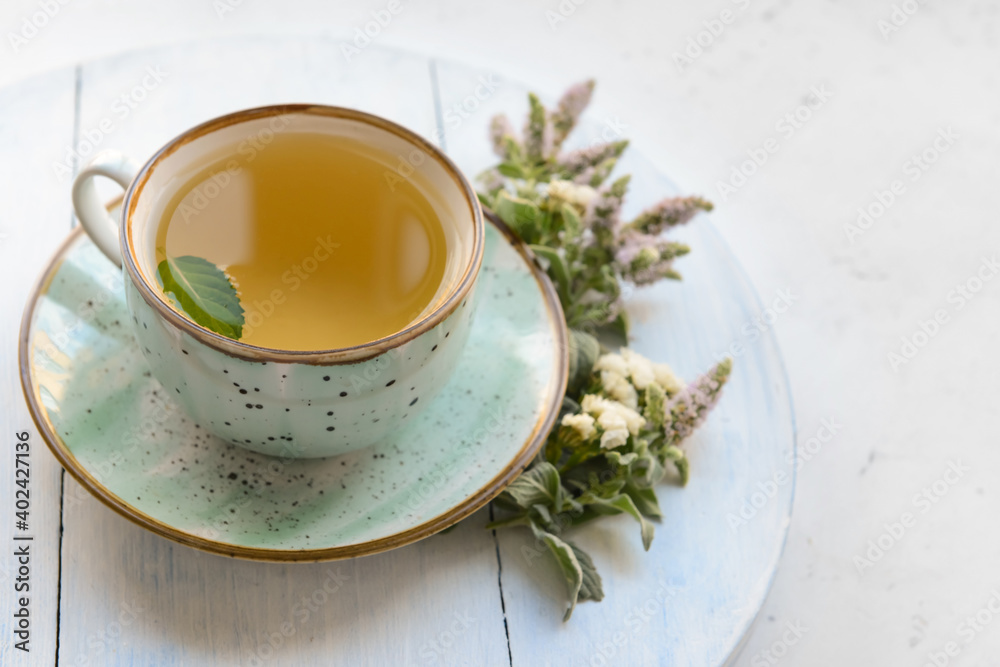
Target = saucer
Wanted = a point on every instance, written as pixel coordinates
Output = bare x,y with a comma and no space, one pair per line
120,434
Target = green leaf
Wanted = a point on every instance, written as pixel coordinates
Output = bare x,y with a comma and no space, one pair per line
583,353
545,515
590,586
569,406
614,334
520,214
677,455
646,470
582,580
556,269
571,220
507,522
204,292
645,500
619,460
623,503
539,484
510,170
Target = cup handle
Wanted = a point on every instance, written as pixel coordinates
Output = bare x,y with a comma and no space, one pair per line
101,227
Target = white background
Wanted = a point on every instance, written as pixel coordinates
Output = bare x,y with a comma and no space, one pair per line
890,94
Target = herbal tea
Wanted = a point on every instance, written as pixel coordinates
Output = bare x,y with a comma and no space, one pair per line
322,252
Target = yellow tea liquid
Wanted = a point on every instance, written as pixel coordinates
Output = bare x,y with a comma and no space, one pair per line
323,253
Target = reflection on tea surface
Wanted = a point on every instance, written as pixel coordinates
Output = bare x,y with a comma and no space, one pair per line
323,252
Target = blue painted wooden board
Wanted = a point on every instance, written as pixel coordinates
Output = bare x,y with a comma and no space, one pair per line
465,597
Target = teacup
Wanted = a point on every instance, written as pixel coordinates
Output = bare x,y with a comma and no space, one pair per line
298,404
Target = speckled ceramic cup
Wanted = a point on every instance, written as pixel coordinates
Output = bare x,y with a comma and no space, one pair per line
280,402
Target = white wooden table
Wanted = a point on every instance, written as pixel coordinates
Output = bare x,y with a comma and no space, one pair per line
106,592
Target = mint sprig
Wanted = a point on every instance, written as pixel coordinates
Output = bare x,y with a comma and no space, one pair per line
204,292
624,418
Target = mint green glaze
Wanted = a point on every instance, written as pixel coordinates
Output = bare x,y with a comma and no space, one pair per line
126,430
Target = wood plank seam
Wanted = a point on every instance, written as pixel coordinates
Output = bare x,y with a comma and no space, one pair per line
77,86
439,125
503,604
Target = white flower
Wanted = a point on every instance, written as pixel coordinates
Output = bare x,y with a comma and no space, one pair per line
627,364
582,424
611,362
640,369
615,430
666,378
593,404
573,193
619,388
598,406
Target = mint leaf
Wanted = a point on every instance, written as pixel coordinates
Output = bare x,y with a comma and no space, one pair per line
539,485
620,460
204,292
511,170
590,585
677,455
645,500
520,215
556,269
617,504
583,353
582,580
568,562
624,503
571,219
